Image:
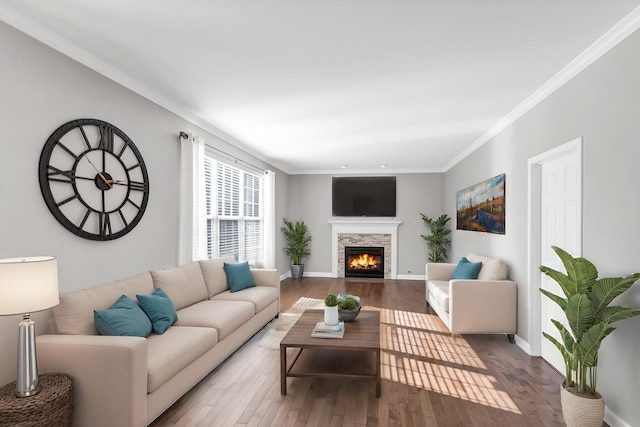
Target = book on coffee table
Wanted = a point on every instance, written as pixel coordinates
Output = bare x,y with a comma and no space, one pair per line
322,330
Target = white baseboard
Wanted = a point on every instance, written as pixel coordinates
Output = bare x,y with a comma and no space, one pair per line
613,420
411,277
330,275
524,345
317,274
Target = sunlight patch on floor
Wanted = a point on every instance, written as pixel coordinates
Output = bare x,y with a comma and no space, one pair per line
418,350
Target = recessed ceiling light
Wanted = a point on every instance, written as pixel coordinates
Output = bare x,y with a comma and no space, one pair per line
343,166
383,166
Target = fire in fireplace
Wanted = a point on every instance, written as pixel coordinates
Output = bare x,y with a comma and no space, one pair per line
364,261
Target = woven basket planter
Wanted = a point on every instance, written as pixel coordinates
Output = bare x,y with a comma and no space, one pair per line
581,411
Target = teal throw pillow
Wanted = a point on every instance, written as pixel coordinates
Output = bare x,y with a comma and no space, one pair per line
466,269
124,318
238,276
160,310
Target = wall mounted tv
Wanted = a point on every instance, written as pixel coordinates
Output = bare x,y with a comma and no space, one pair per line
364,196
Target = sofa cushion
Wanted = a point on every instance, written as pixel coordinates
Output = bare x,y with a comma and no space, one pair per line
214,275
159,309
74,314
225,316
492,268
466,270
184,284
238,276
124,318
439,291
260,296
174,350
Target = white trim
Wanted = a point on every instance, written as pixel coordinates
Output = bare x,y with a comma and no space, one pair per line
534,229
365,227
615,35
411,277
524,345
613,419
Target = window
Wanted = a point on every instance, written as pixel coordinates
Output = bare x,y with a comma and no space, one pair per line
234,212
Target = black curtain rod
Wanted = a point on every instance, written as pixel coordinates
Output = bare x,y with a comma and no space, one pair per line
185,135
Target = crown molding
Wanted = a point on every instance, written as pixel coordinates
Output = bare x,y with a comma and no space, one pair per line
379,171
611,38
40,33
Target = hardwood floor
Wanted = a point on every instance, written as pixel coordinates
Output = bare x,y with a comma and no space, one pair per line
429,378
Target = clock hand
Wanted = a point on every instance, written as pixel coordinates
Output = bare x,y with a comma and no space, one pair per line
99,173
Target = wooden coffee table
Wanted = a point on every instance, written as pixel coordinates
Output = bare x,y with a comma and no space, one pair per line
355,356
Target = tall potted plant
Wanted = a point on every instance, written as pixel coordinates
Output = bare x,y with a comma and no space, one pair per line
297,245
589,316
438,240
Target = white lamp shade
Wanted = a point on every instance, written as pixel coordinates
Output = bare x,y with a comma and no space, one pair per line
28,284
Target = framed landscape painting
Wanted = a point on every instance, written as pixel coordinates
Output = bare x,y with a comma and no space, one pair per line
481,206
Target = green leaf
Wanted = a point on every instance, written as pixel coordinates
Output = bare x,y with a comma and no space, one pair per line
589,345
580,314
607,289
555,298
567,285
615,313
567,338
580,270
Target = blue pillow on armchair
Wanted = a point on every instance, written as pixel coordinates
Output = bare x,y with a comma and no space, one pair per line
466,269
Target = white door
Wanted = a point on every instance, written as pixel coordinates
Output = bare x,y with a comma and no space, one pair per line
561,225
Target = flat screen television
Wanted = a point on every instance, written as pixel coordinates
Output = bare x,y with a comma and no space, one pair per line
364,196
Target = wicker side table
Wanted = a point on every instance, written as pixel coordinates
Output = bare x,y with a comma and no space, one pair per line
53,406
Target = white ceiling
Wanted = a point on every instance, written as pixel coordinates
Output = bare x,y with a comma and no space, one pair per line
311,85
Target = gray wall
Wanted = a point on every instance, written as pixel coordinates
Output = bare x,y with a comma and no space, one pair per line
601,105
41,90
310,200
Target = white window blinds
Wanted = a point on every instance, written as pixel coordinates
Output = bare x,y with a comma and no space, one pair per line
234,206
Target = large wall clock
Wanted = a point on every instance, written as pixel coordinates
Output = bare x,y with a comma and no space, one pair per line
93,179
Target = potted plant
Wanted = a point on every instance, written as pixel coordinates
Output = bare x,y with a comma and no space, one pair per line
438,240
589,316
331,309
297,246
348,307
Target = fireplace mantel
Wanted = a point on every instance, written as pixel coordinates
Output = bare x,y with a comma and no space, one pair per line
365,226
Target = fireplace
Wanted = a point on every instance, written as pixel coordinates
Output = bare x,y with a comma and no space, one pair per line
364,261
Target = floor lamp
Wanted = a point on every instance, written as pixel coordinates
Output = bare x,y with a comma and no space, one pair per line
27,285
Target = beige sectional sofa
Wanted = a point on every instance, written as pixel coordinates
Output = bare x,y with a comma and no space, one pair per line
128,381
486,305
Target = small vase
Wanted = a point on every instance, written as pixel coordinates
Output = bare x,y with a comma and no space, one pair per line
580,411
331,315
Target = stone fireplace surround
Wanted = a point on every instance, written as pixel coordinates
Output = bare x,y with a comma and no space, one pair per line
363,232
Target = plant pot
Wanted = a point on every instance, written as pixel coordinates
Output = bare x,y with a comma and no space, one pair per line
349,315
579,411
297,270
331,315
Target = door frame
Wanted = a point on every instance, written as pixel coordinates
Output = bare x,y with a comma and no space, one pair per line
535,229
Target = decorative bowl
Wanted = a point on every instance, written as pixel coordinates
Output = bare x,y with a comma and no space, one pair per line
350,314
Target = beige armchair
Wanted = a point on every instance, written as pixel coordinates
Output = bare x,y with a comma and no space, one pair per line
486,305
